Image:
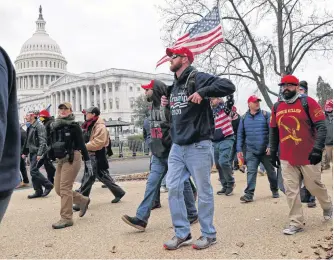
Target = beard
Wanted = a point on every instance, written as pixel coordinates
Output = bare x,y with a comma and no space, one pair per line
149,99
287,94
175,67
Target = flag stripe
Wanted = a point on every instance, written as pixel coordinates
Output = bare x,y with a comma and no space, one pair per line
202,36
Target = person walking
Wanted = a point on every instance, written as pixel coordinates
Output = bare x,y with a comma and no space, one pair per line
67,147
297,125
254,132
160,145
35,145
192,128
24,175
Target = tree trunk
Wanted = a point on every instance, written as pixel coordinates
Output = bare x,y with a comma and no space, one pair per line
280,36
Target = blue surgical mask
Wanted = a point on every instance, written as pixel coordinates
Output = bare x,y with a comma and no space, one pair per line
28,124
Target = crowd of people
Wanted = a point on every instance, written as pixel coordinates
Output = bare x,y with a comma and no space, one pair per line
192,125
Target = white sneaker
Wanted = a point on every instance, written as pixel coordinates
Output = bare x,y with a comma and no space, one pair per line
291,230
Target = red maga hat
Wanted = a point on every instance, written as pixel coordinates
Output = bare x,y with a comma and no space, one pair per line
253,99
183,51
149,85
289,79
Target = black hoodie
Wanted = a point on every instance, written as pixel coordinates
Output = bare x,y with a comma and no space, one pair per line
160,141
192,122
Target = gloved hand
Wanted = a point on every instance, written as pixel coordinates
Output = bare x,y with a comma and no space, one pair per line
274,160
89,168
315,156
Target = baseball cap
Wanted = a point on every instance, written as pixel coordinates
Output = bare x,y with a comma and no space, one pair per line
66,104
93,110
329,105
181,51
149,85
303,84
44,113
253,99
289,79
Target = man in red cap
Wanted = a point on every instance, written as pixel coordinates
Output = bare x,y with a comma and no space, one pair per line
47,119
301,135
329,126
192,128
253,134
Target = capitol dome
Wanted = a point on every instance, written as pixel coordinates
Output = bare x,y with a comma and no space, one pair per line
39,63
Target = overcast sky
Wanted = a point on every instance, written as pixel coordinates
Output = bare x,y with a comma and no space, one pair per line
96,35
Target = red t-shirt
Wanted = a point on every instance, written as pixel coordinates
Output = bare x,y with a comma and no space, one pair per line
295,133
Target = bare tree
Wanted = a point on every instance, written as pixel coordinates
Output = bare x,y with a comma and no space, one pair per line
263,38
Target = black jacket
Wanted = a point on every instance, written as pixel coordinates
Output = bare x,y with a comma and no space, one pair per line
192,122
47,124
9,127
36,139
329,126
23,136
160,139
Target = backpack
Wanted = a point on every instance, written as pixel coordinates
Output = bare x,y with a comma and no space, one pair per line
303,99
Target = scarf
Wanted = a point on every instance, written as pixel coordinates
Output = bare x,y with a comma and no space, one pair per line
88,123
61,121
291,100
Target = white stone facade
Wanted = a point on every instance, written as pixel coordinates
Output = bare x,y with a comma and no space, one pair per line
42,80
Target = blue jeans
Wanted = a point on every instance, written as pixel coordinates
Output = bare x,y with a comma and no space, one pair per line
163,182
158,170
253,162
184,161
223,153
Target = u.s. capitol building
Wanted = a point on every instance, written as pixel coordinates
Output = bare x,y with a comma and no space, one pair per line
43,80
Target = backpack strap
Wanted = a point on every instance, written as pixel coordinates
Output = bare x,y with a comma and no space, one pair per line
303,99
190,85
265,114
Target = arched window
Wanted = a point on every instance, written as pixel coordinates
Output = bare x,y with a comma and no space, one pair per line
36,63
46,63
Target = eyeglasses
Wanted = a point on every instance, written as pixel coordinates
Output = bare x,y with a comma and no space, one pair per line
174,56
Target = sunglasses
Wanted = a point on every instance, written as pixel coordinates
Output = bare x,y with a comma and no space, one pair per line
174,56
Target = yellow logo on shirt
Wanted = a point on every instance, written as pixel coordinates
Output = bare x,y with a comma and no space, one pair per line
292,131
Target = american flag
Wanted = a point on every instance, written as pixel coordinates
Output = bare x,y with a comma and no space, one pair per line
202,36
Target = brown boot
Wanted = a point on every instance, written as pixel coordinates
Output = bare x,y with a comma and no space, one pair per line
22,185
63,223
84,207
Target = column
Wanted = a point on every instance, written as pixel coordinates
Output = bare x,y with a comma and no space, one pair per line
71,97
82,92
88,96
52,103
95,96
107,98
44,81
77,108
33,81
101,98
66,96
57,99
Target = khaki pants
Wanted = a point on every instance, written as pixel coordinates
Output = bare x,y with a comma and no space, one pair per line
292,177
329,152
65,176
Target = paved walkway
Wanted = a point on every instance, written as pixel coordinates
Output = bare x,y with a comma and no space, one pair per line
244,230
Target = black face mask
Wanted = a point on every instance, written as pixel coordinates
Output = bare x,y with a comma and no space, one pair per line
287,94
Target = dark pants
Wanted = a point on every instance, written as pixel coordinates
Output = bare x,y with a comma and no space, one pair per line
4,201
37,178
23,171
50,170
253,162
103,176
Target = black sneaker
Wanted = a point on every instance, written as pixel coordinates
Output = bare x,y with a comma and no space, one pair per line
117,199
47,190
156,206
176,242
222,191
275,194
37,194
246,199
193,220
229,191
76,207
104,186
134,222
